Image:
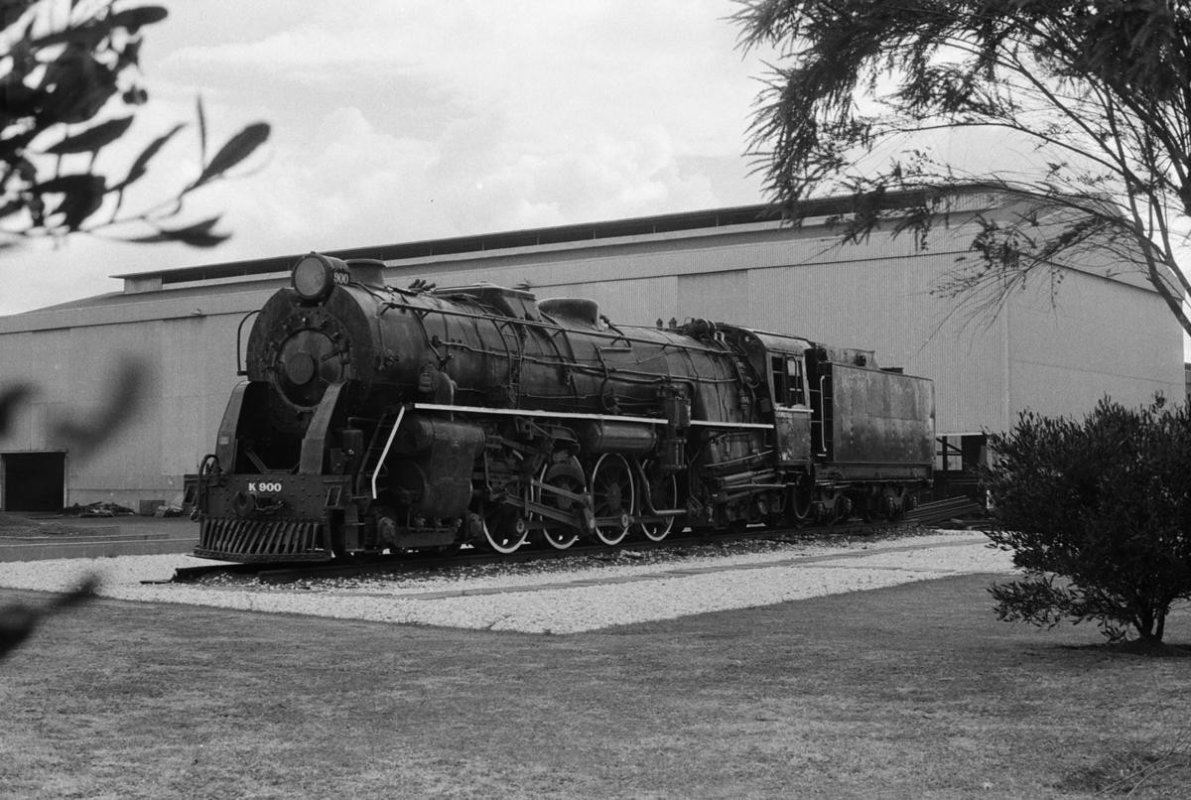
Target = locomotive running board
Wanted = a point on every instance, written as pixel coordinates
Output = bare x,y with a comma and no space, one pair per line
526,412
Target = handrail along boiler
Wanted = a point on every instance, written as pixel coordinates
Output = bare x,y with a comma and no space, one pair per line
379,419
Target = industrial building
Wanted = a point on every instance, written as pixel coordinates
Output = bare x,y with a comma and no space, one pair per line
1105,332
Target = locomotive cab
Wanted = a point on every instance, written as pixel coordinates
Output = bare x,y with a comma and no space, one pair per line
785,401
791,414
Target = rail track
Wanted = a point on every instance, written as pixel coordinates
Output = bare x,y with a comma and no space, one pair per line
419,562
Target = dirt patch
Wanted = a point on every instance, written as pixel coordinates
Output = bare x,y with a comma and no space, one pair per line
1136,647
22,527
1133,772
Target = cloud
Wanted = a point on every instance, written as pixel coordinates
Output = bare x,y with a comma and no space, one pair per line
399,120
554,69
350,184
597,178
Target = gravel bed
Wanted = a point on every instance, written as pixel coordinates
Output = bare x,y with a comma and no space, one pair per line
556,596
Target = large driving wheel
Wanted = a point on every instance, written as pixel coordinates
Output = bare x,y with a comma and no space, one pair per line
612,496
663,492
568,477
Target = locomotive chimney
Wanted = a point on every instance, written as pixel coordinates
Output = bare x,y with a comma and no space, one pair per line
369,271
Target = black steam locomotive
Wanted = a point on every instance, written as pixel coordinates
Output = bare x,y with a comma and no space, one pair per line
380,419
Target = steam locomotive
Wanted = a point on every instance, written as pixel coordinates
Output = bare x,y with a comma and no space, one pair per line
376,419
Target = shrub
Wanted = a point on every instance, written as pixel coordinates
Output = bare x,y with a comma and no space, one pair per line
1098,515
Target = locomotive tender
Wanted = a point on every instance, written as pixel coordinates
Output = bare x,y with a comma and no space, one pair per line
379,419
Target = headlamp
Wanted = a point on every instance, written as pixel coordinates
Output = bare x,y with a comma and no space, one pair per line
315,275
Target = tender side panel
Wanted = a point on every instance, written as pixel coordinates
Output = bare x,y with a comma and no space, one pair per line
882,424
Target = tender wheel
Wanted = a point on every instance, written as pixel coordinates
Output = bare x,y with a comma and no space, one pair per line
612,493
557,536
894,503
504,530
837,506
663,491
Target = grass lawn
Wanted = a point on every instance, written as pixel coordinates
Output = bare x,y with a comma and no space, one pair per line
909,692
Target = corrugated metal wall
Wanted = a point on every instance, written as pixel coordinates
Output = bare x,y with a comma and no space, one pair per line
1098,338
190,358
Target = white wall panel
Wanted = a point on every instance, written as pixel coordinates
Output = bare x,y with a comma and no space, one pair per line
632,301
720,296
1094,338
885,305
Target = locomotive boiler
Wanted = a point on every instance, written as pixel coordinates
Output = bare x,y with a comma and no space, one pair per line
378,419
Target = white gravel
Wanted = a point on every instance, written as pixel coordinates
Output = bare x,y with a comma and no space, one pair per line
570,601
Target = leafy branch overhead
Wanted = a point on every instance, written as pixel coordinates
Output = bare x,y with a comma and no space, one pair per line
70,92
1077,110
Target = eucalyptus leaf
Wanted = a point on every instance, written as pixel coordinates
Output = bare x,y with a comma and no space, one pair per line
238,148
92,139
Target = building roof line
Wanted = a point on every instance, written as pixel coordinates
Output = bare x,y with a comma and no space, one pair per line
430,248
531,237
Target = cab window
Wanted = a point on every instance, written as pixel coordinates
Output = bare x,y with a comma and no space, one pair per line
788,383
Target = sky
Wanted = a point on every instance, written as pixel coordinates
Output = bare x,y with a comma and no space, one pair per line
404,120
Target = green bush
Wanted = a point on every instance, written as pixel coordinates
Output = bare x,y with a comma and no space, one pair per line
1098,515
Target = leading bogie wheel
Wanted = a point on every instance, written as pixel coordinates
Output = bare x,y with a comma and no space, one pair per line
504,530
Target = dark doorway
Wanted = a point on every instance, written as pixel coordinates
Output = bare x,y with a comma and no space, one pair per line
957,462
33,481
